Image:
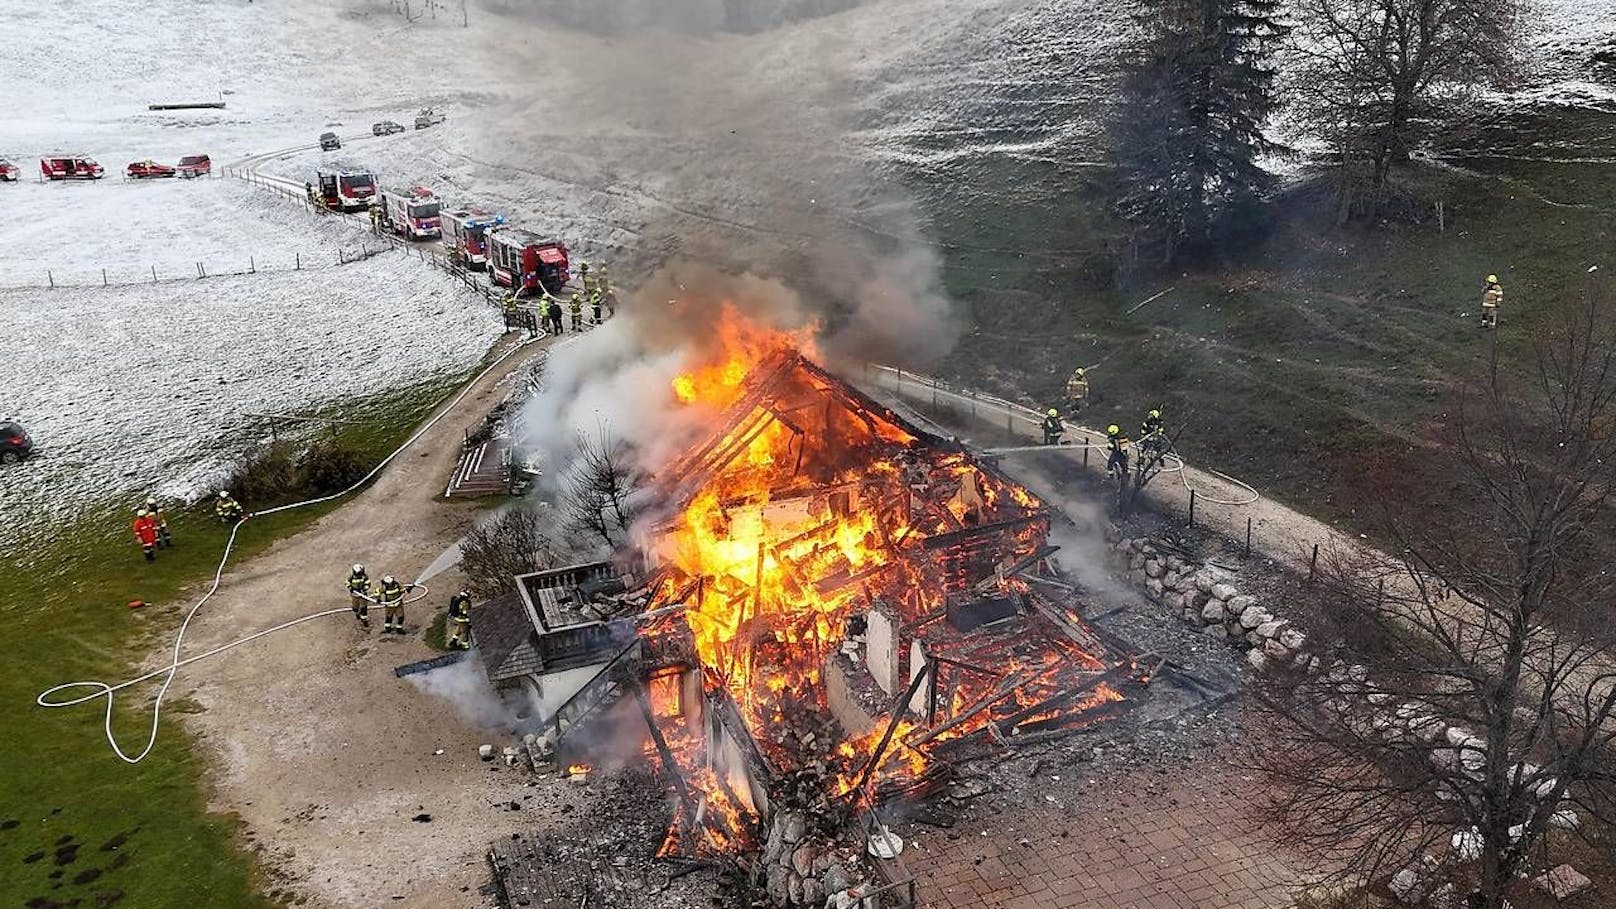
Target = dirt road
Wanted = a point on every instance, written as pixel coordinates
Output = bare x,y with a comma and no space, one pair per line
328,757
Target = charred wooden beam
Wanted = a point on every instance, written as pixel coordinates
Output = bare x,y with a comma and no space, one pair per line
898,710
1116,674
944,540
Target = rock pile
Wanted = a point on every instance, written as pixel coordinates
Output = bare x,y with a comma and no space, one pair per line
802,866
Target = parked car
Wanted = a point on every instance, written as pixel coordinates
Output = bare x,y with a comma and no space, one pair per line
428,117
70,167
9,173
329,142
148,170
14,443
386,128
195,166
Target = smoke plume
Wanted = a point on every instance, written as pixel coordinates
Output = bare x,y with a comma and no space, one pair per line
740,157
465,685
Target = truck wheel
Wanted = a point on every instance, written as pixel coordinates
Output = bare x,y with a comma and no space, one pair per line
9,457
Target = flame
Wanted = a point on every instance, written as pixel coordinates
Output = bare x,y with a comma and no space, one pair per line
578,769
741,344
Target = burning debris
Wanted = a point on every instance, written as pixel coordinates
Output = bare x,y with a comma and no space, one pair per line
834,606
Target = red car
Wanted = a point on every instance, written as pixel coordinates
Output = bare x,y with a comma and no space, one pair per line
9,173
148,170
195,166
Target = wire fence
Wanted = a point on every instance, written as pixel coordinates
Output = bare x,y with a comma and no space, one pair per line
430,252
127,275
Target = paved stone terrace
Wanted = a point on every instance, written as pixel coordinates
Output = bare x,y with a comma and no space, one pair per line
1139,841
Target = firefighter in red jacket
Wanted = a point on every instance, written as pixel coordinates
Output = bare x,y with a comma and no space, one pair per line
146,534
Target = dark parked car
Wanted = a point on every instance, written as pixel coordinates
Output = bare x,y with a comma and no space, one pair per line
14,443
192,166
329,141
386,128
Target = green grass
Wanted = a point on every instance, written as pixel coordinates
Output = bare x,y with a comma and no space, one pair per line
1322,354
66,618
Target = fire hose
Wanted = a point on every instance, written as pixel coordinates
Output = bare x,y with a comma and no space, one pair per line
99,689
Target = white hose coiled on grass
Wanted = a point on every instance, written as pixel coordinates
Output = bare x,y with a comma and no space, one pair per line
99,689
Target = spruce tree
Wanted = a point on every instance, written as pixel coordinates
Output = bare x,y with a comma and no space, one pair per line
1189,130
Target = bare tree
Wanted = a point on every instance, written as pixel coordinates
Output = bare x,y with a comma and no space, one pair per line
495,552
1377,76
599,488
1472,711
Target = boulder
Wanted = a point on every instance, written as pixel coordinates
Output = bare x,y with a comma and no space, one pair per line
1194,598
793,827
1270,629
1292,639
1136,562
1204,582
1238,604
836,879
813,894
1174,563
1562,882
1564,819
1216,632
1224,592
1154,569
1153,586
1213,611
1254,616
1170,579
1276,651
1408,885
1252,638
1466,844
802,861
1257,660
779,882
486,752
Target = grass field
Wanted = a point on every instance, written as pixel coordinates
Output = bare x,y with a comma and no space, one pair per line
78,827
1323,361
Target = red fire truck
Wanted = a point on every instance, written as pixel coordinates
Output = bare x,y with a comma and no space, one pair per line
465,235
346,191
524,261
410,213
69,167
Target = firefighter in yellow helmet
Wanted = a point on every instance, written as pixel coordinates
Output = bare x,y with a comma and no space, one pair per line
460,621
1492,296
391,596
1053,427
1117,448
1152,432
1077,390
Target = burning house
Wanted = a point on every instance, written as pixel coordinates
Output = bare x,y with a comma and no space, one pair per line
833,606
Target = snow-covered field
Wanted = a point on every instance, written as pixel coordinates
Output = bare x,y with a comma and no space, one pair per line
823,147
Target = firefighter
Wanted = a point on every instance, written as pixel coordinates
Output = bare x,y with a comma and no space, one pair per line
555,314
1151,432
1053,427
1492,296
594,305
575,304
460,621
513,315
164,540
1077,390
583,276
228,510
359,594
1117,444
376,219
146,534
603,283
391,596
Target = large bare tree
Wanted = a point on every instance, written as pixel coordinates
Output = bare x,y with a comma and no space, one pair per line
1468,724
1376,77
599,486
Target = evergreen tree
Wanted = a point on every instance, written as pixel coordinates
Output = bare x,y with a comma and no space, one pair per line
1189,131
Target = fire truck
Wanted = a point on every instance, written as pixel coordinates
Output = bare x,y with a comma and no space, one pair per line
524,261
345,191
465,235
69,167
410,213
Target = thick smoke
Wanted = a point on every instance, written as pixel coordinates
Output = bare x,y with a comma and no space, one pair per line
465,685
741,154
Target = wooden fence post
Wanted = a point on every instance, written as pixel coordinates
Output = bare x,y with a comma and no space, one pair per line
103,277
154,274
51,278
1192,507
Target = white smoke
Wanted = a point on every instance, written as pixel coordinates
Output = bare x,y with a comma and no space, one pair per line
465,685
